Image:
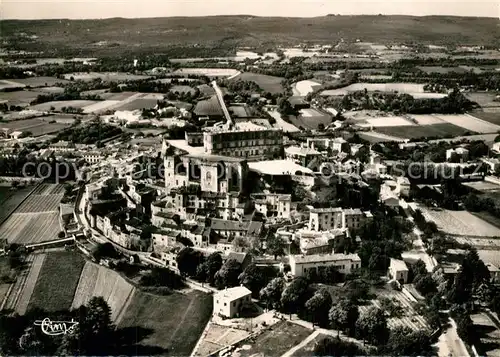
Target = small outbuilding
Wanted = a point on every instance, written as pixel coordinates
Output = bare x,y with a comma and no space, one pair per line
398,271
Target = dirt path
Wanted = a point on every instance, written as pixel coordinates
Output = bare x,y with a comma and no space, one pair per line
294,349
181,322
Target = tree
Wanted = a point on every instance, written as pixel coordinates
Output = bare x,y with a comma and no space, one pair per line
335,347
188,261
95,331
104,250
206,271
295,295
317,307
276,246
255,278
417,269
405,342
228,274
271,294
372,327
425,285
363,154
343,316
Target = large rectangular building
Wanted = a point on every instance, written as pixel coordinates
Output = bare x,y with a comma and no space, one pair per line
245,140
325,219
345,263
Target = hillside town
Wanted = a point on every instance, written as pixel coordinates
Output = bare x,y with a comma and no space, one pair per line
313,200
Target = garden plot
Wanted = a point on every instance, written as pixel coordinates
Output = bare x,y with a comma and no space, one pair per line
218,337
427,119
408,318
29,284
97,280
470,123
460,223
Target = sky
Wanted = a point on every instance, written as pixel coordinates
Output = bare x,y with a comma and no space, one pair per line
94,9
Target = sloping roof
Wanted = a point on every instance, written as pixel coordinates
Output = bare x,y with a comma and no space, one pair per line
398,265
239,257
228,225
233,293
318,258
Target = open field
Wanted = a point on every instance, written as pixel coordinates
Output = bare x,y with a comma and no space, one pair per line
380,87
35,82
415,132
386,122
4,271
377,137
97,280
57,281
59,104
21,97
137,104
484,99
275,341
52,90
10,85
460,223
483,186
101,106
105,77
470,123
425,119
177,320
311,119
490,117
269,84
303,88
11,198
209,72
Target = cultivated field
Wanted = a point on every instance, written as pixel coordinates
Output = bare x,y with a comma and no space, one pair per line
269,84
275,341
36,219
22,97
97,280
303,88
52,90
29,284
137,104
415,132
311,119
377,137
101,106
387,122
484,99
209,72
5,84
424,119
409,88
59,104
218,337
177,320
57,281
460,223
28,228
490,117
11,198
105,77
35,82
470,123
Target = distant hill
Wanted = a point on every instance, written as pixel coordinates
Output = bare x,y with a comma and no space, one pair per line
228,32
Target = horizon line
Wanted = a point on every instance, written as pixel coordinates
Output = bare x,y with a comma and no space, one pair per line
245,15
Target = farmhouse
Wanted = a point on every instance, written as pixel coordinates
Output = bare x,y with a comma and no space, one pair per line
345,263
230,302
398,270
